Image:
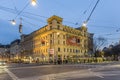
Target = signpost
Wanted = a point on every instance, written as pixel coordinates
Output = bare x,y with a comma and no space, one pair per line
51,55
51,51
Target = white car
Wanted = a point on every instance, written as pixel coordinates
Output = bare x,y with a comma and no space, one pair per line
2,63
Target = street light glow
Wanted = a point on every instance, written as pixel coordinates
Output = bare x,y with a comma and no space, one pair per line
13,22
33,2
58,33
84,24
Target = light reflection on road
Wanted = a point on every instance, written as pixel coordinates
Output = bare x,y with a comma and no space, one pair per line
2,69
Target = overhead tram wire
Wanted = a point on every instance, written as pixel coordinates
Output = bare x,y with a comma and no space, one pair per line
88,7
92,11
30,23
14,12
14,5
8,10
85,11
85,22
103,26
13,20
22,10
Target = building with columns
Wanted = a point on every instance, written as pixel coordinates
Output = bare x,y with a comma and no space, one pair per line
56,41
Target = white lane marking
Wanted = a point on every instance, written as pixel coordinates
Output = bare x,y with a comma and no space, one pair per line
96,73
11,74
68,75
61,76
52,66
35,66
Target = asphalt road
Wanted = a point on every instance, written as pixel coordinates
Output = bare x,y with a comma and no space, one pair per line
105,71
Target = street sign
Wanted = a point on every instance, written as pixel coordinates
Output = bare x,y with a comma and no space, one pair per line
51,51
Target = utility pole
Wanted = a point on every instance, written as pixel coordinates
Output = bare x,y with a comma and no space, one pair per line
20,26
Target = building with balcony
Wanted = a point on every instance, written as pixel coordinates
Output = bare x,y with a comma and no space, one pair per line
57,41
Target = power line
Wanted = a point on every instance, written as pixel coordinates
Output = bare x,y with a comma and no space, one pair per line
103,26
92,11
14,5
22,10
14,12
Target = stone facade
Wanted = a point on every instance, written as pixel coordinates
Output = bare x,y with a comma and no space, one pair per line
56,41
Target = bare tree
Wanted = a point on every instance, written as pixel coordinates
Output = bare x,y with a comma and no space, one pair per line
99,43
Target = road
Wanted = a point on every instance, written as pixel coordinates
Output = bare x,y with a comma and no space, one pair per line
106,71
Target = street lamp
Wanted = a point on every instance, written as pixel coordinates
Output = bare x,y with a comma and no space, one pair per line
13,22
84,24
33,2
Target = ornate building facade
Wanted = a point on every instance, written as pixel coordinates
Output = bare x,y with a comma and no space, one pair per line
56,41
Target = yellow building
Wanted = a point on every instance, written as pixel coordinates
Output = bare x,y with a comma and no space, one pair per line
56,41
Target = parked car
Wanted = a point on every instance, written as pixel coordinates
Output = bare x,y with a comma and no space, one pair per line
2,63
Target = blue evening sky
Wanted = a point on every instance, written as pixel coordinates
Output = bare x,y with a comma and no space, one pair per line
105,20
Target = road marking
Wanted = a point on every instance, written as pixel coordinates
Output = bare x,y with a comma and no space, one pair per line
11,74
35,66
96,73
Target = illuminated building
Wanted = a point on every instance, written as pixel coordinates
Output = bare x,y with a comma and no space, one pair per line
15,49
4,52
57,41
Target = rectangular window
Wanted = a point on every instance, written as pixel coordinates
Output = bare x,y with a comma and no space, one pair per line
67,50
78,40
50,35
64,50
64,42
63,36
58,49
58,42
50,41
58,35
58,27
